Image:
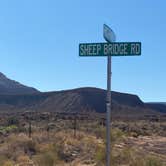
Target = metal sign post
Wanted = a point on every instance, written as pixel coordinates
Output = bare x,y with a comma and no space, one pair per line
109,36
108,114
111,48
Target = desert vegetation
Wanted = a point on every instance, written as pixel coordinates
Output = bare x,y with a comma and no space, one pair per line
47,139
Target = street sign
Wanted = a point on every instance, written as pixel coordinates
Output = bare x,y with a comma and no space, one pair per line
108,34
110,49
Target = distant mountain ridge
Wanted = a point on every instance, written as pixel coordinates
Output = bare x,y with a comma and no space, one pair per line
11,87
77,100
160,106
164,103
17,97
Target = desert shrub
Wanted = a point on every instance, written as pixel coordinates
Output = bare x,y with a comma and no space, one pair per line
129,156
3,159
117,135
12,121
100,156
153,161
45,159
64,149
24,160
126,156
144,128
30,147
117,157
48,158
7,129
21,129
11,128
133,134
8,163
19,145
100,132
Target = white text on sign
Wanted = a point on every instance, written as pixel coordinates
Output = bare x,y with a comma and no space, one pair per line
110,49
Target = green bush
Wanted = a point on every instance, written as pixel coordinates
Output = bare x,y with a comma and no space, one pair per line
12,121
4,129
30,147
100,156
47,158
153,161
100,132
117,135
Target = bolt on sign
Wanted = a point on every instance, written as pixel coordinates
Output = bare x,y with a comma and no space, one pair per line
110,49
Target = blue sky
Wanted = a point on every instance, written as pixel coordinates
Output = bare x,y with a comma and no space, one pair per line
39,44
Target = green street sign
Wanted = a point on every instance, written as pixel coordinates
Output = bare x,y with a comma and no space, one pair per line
110,49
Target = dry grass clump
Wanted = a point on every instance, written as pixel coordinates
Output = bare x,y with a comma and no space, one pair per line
153,161
16,146
47,158
24,161
8,163
3,158
69,148
133,157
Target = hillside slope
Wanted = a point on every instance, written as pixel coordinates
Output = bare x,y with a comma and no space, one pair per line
17,97
77,100
8,86
160,107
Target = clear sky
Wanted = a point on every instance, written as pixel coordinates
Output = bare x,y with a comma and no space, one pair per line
39,42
